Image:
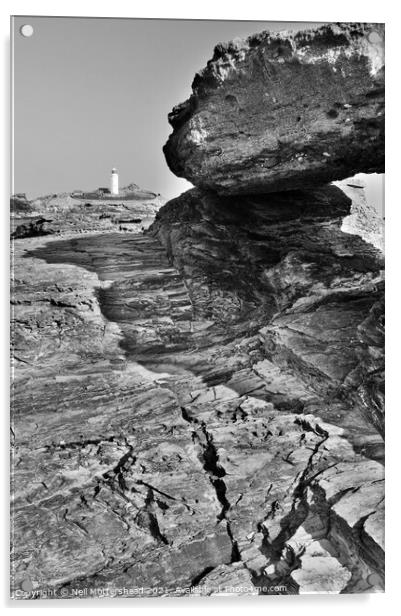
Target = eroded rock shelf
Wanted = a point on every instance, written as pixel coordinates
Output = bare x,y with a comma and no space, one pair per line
156,448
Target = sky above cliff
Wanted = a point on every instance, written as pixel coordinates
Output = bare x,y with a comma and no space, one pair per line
92,94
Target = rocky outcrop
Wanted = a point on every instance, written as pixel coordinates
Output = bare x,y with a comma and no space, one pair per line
282,111
263,248
19,205
156,446
286,270
199,409
30,227
82,215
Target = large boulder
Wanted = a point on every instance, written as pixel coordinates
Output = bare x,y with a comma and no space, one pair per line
281,110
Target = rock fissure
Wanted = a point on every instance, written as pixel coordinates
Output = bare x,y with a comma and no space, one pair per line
215,472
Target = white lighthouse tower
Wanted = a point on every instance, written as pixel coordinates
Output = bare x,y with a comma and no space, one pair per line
114,181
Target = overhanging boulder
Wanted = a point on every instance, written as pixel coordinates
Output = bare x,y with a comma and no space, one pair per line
280,111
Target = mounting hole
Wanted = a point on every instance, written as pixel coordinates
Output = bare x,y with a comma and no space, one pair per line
26,30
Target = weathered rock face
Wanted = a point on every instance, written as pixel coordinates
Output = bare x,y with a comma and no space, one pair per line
157,446
287,270
200,409
281,111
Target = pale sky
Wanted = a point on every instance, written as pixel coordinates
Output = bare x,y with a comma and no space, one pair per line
91,94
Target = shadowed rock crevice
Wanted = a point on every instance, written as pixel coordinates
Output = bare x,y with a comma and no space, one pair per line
210,462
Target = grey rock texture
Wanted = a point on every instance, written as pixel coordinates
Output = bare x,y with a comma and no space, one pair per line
158,445
30,227
64,214
281,111
199,409
286,270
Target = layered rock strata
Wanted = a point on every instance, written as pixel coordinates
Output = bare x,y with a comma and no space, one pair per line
160,448
282,111
262,246
199,410
280,265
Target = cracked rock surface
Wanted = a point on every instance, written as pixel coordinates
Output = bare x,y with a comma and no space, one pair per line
199,409
162,436
280,111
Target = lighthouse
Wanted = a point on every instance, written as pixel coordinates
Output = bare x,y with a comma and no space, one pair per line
114,181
